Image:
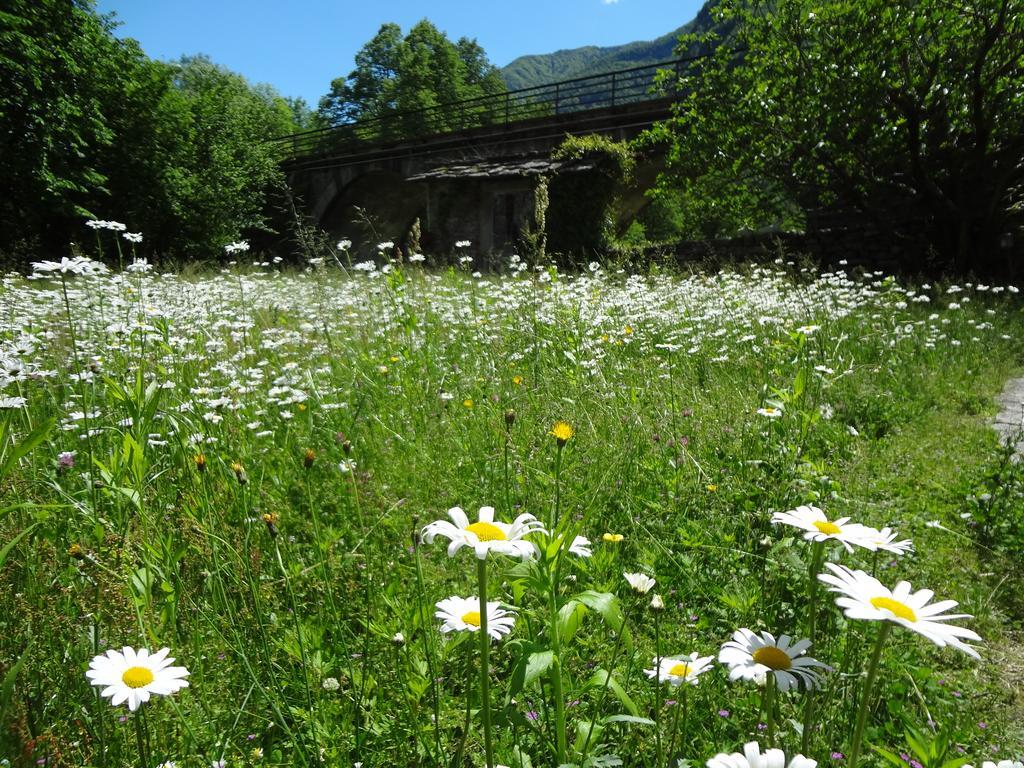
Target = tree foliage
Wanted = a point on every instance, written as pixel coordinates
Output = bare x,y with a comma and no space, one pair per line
909,111
90,127
401,85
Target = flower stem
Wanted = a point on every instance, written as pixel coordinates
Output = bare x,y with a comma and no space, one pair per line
428,646
657,689
141,738
485,682
302,646
558,491
556,678
769,705
675,721
866,694
812,628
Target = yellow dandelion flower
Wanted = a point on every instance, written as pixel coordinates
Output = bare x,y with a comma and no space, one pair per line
562,432
517,380
614,538
468,402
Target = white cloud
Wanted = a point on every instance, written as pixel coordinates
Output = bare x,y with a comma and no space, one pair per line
610,2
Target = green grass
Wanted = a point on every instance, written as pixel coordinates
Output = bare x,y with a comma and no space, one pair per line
443,389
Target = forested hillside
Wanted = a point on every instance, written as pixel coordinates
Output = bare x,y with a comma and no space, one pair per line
527,71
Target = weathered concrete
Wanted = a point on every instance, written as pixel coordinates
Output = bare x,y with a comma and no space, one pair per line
433,178
1009,421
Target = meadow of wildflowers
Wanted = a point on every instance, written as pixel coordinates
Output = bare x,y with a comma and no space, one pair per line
393,515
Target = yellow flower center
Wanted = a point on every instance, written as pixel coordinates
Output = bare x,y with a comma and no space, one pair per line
772,657
487,531
902,610
472,618
682,669
137,677
830,529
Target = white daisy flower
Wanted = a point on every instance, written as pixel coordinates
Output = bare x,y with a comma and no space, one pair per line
680,669
751,757
487,534
819,528
770,411
750,656
886,541
581,547
640,582
1000,764
133,676
865,597
77,265
462,614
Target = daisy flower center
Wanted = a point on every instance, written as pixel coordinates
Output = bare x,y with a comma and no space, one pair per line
772,657
487,531
137,677
830,529
902,610
682,669
472,618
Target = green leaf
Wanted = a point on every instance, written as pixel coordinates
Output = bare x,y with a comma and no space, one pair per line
537,664
602,678
607,605
800,383
569,617
891,757
26,445
627,719
7,686
13,543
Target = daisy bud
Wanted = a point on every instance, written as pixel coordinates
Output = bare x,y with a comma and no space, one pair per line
200,460
346,446
398,639
657,603
510,418
308,458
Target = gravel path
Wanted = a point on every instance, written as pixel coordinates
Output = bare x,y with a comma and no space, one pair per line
1010,419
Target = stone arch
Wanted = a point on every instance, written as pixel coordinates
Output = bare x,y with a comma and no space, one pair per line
390,203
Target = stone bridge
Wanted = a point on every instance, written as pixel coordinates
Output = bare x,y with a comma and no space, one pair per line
468,171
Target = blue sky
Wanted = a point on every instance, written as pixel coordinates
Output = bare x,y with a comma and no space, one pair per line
298,46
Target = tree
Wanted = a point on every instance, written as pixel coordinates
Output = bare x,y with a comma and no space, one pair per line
369,90
91,127
909,111
52,88
401,85
220,186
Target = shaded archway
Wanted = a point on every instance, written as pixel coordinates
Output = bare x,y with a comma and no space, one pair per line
374,207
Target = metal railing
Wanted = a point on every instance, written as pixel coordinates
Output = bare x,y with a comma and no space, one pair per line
602,91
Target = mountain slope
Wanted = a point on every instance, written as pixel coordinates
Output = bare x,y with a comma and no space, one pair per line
528,71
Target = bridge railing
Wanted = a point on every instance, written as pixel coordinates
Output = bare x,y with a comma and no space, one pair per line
608,89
